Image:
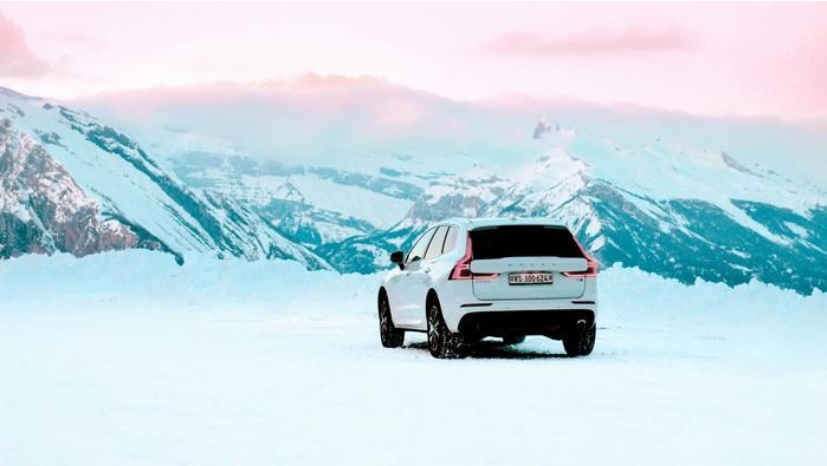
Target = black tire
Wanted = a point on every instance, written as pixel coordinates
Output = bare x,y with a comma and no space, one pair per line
441,342
513,339
391,336
580,342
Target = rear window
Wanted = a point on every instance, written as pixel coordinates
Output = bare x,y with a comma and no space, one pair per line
523,241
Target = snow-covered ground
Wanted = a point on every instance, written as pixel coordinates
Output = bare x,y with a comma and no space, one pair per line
125,358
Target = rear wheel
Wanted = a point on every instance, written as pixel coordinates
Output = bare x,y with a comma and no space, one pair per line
442,343
391,336
580,342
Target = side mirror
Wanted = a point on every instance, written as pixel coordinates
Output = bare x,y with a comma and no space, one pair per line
398,258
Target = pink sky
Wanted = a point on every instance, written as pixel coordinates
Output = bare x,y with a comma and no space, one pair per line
714,59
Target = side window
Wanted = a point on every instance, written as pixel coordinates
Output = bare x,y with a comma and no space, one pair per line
435,249
450,240
418,250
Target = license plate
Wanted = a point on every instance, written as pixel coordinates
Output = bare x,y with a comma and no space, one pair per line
531,278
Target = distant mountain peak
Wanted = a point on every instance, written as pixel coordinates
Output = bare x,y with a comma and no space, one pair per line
111,194
544,128
734,164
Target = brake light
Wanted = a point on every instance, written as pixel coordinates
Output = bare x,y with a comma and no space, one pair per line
462,271
591,270
591,264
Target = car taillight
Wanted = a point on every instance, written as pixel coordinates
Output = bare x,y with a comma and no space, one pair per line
591,264
462,271
591,270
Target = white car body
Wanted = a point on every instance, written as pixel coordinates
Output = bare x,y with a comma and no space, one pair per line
483,302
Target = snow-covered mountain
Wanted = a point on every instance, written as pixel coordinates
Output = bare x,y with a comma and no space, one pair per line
264,173
72,184
309,204
757,224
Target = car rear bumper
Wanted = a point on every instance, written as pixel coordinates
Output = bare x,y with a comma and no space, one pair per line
551,323
533,316
458,300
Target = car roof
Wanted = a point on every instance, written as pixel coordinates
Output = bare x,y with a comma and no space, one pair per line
471,223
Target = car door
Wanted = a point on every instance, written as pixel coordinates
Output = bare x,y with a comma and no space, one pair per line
420,281
403,300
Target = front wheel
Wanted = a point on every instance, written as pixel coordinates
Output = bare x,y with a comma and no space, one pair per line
580,342
442,343
391,336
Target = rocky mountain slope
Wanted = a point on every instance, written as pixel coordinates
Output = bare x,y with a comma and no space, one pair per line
73,184
43,210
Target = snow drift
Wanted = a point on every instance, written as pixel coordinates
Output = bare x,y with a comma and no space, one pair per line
233,362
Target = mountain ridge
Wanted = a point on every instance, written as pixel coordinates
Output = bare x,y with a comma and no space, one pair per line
128,188
679,210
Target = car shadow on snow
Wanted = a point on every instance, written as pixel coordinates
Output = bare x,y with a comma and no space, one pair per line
494,349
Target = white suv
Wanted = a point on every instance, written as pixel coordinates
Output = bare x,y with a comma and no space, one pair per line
464,280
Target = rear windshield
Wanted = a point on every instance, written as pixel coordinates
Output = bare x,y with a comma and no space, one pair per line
523,241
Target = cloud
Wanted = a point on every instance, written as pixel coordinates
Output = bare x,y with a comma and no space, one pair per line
16,59
82,40
589,43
